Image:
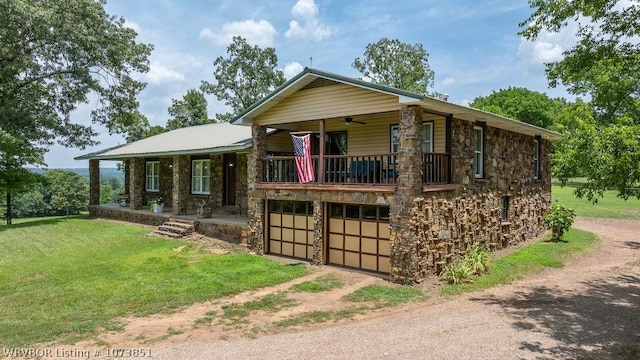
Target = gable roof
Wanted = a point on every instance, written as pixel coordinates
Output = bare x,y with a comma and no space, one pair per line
193,140
404,98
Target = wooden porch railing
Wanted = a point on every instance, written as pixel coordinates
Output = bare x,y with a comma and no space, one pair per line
356,169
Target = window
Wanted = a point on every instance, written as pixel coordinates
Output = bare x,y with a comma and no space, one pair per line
536,159
478,134
200,176
153,177
505,208
427,133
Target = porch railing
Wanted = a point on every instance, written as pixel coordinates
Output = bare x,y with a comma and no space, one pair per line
355,169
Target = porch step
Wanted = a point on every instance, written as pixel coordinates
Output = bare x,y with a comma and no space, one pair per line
176,228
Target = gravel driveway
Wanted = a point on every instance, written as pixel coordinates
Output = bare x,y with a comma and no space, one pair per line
590,309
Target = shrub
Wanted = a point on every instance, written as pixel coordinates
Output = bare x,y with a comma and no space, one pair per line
559,220
479,260
457,272
476,261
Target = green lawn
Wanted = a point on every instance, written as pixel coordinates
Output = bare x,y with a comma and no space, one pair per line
609,206
63,278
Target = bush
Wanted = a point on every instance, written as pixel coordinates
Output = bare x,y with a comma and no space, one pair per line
559,220
476,261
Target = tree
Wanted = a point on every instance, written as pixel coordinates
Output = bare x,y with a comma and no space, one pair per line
142,129
246,76
521,104
69,191
604,65
190,111
55,55
396,64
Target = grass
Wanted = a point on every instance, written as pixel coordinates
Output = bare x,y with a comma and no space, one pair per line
61,279
609,206
385,295
271,303
321,283
528,260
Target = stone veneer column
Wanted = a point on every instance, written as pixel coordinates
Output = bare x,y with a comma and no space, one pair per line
409,186
181,184
127,177
165,181
255,234
318,235
94,182
136,183
216,181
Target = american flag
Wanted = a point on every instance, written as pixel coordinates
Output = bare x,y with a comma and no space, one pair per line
304,163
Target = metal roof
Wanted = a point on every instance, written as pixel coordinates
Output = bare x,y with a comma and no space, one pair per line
193,140
404,98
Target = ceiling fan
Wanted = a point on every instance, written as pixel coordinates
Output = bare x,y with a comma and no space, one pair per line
349,120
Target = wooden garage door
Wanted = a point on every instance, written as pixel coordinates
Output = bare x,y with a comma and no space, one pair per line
291,229
359,236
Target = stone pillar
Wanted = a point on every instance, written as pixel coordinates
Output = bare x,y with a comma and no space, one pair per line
94,182
136,183
255,235
127,177
241,177
409,186
318,235
216,181
166,181
181,184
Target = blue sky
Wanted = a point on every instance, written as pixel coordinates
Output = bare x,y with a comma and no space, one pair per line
473,45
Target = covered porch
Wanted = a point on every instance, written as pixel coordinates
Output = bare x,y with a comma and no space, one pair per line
224,226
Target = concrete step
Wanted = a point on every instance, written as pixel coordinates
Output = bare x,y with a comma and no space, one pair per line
189,227
175,229
167,234
183,221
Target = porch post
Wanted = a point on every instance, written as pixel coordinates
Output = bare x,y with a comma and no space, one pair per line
409,186
165,181
447,145
136,183
94,182
181,184
255,235
127,176
318,232
321,151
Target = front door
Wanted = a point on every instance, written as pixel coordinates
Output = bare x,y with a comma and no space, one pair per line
229,181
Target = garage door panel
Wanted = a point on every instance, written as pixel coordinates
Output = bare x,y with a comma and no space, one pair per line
336,241
300,251
384,231
369,262
352,243
287,235
352,227
287,249
275,247
336,225
275,233
369,246
300,222
351,259
369,229
300,236
275,219
384,264
384,247
335,256
287,221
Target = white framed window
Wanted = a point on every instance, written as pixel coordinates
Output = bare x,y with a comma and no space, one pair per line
427,133
152,176
200,175
536,159
478,159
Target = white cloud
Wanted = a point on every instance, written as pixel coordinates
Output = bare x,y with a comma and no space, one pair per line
312,28
160,74
133,25
260,33
548,47
448,81
292,69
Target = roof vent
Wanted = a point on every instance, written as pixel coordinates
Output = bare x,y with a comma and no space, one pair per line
443,97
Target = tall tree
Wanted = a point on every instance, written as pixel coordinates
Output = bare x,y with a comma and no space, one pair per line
396,64
604,64
190,111
69,191
521,104
247,75
56,55
142,129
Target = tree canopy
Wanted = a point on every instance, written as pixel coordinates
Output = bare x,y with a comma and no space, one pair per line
247,75
396,64
521,104
190,111
55,55
604,65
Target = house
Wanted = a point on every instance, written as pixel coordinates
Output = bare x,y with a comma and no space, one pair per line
403,183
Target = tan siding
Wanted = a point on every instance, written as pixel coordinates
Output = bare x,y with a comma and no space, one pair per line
439,136
328,102
280,142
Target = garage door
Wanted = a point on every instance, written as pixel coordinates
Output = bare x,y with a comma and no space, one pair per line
359,236
291,229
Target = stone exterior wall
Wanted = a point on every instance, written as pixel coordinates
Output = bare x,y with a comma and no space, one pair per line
166,180
181,184
136,183
255,234
94,182
241,177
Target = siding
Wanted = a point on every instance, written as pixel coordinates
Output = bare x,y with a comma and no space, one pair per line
326,102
